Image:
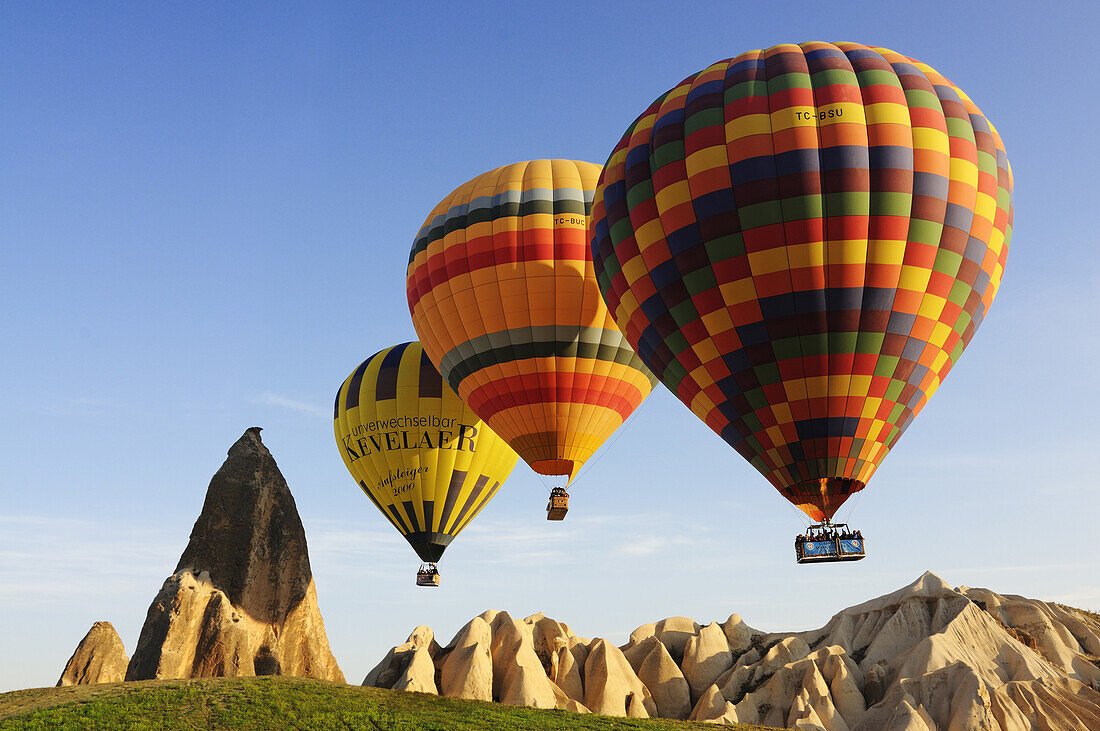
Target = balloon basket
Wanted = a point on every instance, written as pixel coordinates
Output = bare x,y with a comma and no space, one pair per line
558,505
828,543
427,575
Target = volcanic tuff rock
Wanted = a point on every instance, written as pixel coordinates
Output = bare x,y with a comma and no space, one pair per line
99,658
611,686
519,678
924,657
659,673
467,669
242,599
401,667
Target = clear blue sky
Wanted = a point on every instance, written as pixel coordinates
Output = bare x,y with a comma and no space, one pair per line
205,217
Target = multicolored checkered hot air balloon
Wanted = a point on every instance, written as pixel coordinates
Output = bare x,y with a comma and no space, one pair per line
417,451
800,242
503,296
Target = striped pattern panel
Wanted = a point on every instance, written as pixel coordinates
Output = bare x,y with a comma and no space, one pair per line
503,296
416,450
800,242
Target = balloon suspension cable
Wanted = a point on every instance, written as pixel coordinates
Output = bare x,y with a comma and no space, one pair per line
605,448
852,505
558,481
552,482
802,517
544,480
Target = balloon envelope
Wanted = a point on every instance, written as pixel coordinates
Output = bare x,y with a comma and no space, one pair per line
418,452
504,298
800,242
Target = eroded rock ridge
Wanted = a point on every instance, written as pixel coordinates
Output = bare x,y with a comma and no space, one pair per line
925,657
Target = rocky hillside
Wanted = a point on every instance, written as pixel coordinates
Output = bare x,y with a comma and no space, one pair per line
924,657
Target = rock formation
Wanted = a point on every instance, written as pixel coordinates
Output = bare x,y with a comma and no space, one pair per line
242,599
659,673
492,658
466,671
99,658
611,686
924,657
706,656
409,666
519,678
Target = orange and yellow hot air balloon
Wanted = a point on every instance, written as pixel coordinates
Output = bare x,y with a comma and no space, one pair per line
504,298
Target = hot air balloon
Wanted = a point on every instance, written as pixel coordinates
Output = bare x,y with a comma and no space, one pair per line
800,242
417,451
504,298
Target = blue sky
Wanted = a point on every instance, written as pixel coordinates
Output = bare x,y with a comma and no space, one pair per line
205,217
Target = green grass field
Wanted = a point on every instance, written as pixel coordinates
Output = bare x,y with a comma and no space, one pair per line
278,703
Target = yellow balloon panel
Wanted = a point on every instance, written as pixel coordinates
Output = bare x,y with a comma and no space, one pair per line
425,460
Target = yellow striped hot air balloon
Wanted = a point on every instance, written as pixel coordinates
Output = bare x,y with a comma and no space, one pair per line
503,296
425,460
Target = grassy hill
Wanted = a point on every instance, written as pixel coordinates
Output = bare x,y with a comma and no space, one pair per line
280,702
